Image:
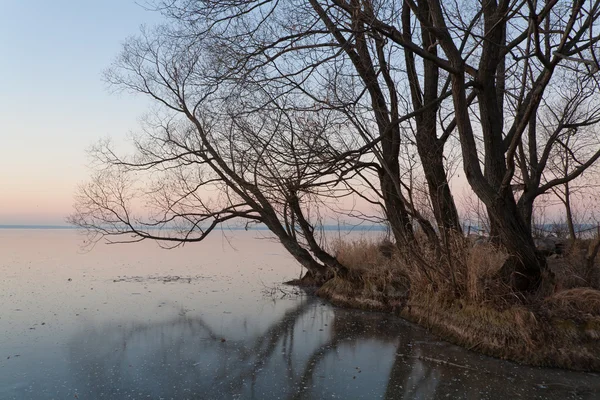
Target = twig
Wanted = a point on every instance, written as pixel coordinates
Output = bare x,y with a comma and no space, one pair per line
435,360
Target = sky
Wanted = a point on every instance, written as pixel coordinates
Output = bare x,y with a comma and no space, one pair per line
54,104
53,101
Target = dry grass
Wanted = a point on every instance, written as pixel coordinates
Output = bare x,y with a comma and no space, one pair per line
463,299
374,279
483,264
574,270
572,302
361,254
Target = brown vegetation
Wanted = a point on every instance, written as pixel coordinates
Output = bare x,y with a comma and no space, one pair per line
560,328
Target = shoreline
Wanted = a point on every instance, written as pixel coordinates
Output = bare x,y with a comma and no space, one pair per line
525,335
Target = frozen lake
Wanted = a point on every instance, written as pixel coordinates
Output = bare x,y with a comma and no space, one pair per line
207,321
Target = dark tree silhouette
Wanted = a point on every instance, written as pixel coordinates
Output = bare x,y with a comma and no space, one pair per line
271,110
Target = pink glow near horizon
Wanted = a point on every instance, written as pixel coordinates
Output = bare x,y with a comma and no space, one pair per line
52,110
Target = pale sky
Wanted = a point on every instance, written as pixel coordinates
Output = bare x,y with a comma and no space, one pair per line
53,102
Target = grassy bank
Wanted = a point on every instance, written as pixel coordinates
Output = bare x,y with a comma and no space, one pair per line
471,307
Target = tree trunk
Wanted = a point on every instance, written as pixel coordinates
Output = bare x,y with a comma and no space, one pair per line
385,116
327,259
567,203
396,213
430,148
444,208
523,271
319,273
525,206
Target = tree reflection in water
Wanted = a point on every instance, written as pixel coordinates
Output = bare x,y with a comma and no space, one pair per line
312,351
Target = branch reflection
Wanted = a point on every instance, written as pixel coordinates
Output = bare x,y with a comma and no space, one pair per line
310,351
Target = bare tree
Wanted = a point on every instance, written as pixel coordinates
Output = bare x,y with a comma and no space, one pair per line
566,192
204,160
429,145
503,54
283,103
226,68
336,62
562,142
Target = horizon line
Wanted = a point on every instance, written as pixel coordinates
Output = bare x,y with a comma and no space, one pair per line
345,226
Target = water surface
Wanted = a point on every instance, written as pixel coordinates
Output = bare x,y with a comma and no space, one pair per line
208,321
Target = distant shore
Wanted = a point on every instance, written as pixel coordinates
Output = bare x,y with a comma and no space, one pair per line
33,227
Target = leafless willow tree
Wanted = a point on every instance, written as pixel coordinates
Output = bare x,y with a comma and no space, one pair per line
269,107
207,159
272,119
501,58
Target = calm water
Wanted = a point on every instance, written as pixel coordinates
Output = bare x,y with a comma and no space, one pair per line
204,322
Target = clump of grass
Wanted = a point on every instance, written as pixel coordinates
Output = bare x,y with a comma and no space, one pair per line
362,254
483,266
374,275
575,301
